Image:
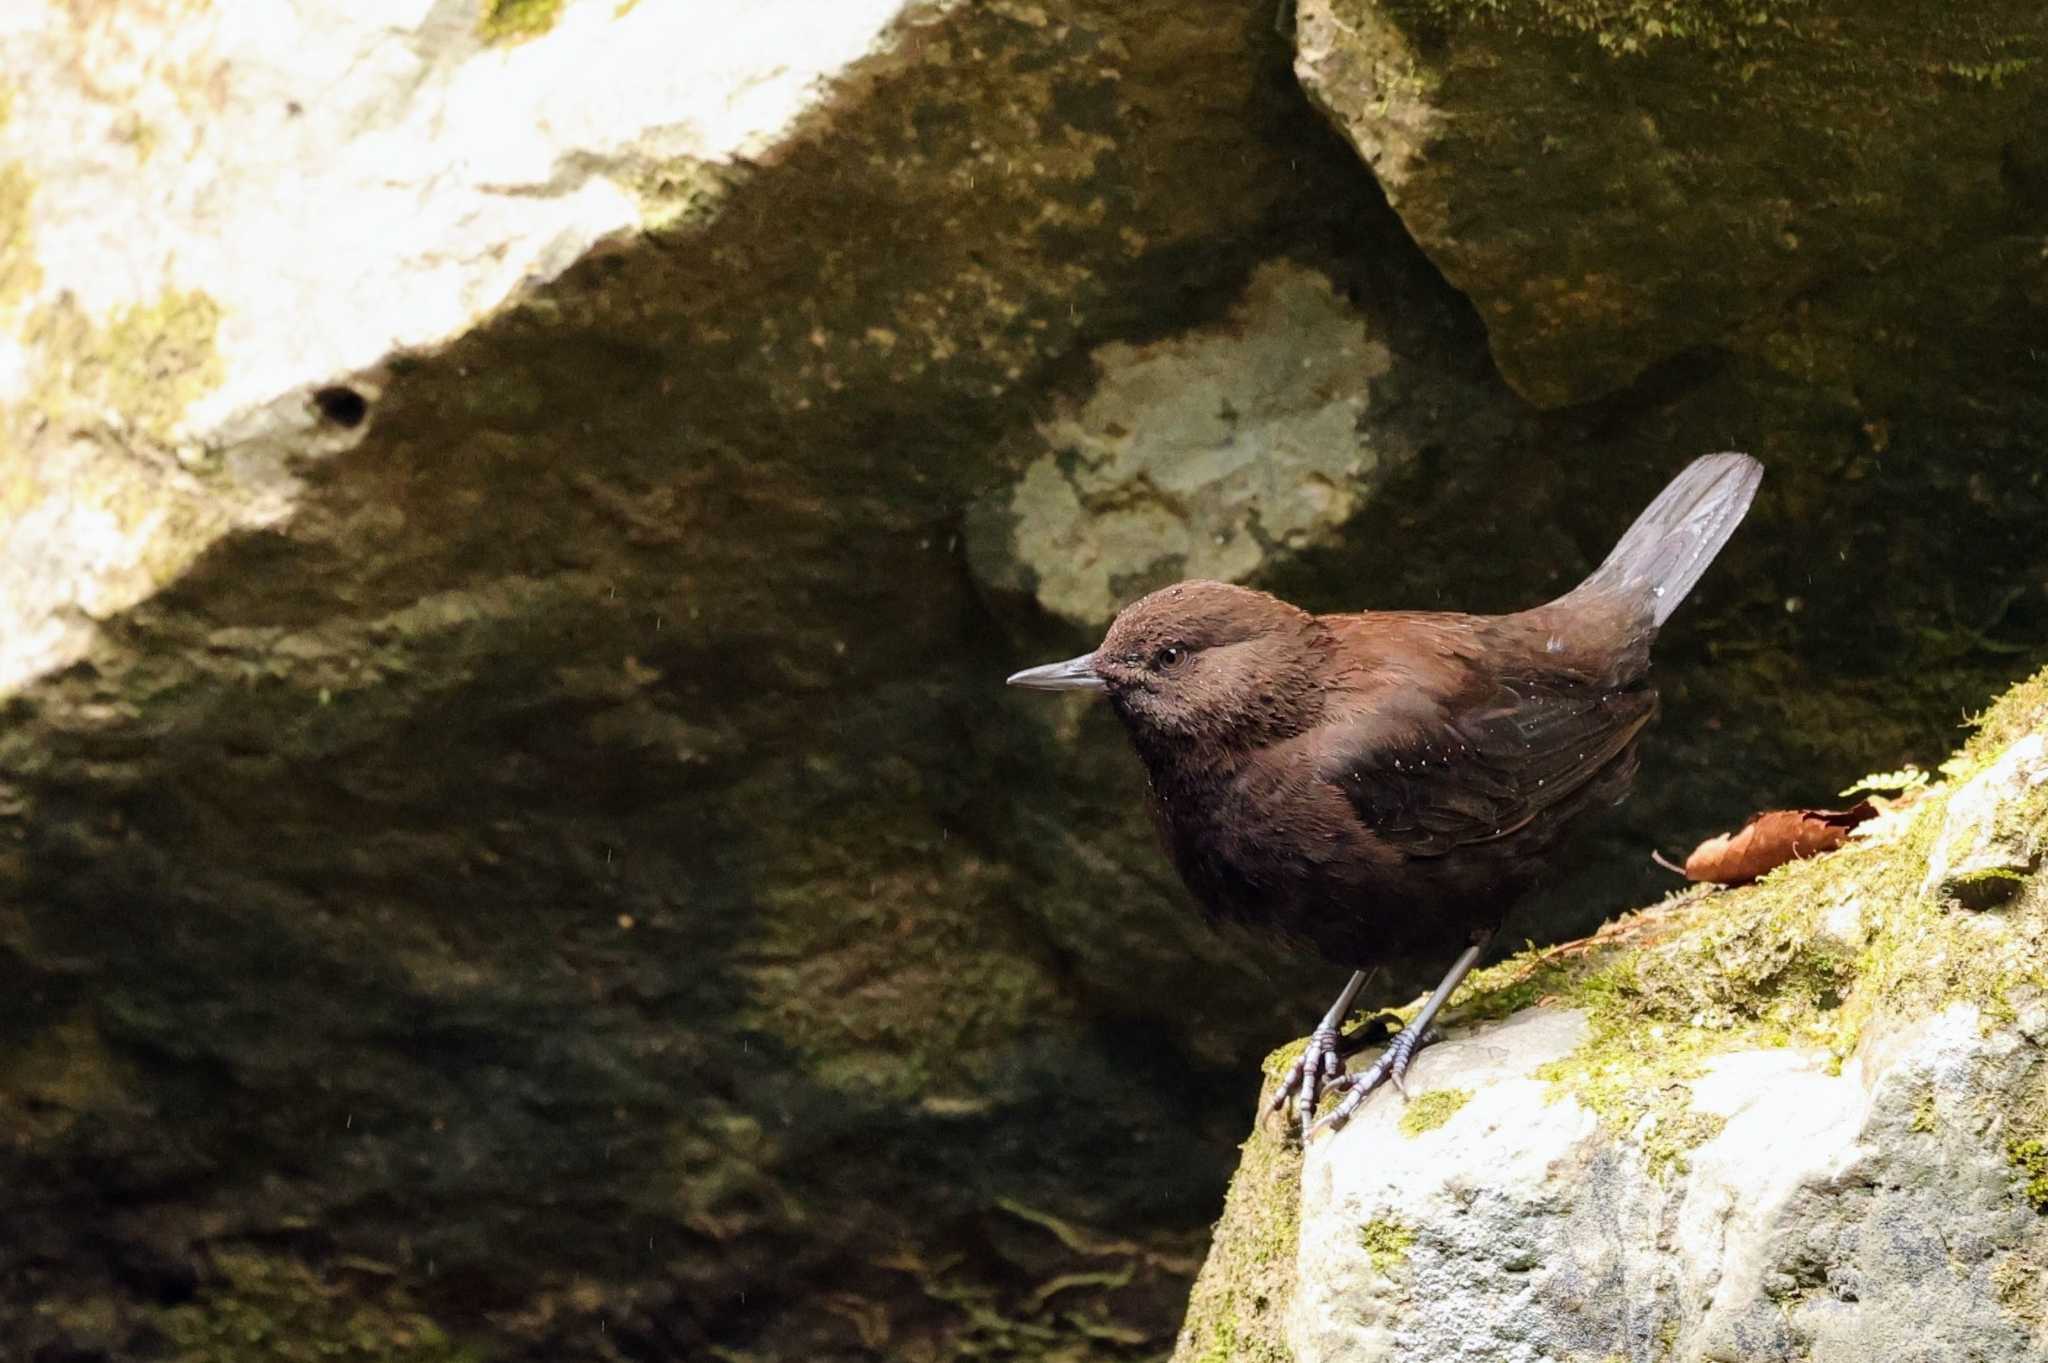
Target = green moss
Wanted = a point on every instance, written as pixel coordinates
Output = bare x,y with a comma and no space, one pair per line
2020,711
1386,1243
1618,27
145,365
20,274
1428,1111
281,1311
1240,1297
2029,1158
1634,1064
515,21
1521,981
677,195
1993,73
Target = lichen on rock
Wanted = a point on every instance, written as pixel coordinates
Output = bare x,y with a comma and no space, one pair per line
1199,456
1424,1112
512,21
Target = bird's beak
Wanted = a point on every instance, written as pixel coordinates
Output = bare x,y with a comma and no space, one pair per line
1075,674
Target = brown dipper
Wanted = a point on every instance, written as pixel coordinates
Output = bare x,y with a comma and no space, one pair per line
1393,781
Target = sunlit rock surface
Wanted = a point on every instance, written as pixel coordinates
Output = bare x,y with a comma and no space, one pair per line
219,222
1201,455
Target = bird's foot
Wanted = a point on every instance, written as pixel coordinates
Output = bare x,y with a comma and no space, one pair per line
1391,1067
1320,1069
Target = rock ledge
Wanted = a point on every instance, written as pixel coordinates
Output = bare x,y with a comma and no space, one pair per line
1798,1120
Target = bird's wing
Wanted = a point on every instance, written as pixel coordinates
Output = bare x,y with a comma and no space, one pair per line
1487,764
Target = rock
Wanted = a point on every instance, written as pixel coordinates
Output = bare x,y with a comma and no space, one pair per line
1718,1133
505,823
1616,185
1991,840
317,195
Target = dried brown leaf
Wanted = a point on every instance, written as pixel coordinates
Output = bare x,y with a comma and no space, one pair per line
1771,839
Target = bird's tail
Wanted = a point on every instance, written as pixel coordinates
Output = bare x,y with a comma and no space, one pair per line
1677,536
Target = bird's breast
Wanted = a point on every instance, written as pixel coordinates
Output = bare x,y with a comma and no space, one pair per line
1257,844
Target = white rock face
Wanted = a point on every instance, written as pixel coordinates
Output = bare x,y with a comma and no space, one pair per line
344,181
207,212
1837,1219
1985,850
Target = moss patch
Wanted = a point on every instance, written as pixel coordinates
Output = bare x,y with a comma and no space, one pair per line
145,365
1618,26
1428,1111
1386,1242
678,194
280,1311
2029,1158
20,275
514,21
2019,712
1240,1298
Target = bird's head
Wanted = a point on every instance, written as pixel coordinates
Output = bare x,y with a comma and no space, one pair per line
1200,661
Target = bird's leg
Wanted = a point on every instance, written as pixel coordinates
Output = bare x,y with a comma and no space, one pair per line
1323,1061
1394,1060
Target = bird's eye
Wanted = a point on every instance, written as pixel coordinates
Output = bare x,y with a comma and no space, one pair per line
1170,656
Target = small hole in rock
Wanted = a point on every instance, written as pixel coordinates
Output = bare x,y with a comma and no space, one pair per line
342,406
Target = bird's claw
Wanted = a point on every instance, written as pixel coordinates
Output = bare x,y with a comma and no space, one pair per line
1320,1068
1314,1072
1391,1067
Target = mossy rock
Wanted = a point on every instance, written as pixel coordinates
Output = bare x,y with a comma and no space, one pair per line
1842,1024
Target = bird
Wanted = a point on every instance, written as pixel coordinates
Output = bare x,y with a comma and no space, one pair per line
1389,782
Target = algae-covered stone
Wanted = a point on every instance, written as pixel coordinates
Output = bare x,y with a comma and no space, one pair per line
1236,1313
1613,184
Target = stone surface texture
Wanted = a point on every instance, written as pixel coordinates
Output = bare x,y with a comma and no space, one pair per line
208,212
1201,456
512,845
1799,1121
1819,1223
1616,184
